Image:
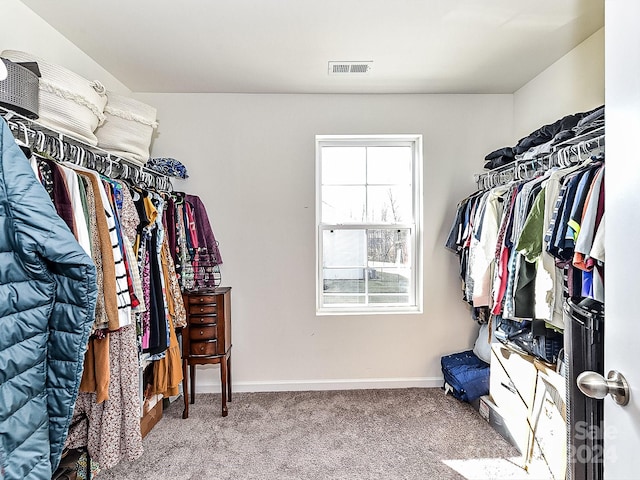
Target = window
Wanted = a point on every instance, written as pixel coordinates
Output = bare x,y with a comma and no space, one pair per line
368,211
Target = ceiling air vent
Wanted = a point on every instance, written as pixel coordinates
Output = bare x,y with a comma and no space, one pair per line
348,68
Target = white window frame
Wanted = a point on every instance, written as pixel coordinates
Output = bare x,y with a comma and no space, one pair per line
416,293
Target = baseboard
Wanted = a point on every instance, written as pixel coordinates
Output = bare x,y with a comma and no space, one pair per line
306,385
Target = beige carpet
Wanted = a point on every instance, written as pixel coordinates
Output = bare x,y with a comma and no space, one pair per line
350,435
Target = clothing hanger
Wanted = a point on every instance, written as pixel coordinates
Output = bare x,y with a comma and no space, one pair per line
101,164
91,160
566,157
492,180
53,147
485,181
125,171
537,168
60,151
80,155
23,143
178,197
133,174
520,171
165,184
40,141
107,166
74,155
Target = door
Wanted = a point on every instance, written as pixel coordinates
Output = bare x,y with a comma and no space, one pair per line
622,304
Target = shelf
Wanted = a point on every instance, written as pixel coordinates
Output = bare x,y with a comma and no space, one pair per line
64,148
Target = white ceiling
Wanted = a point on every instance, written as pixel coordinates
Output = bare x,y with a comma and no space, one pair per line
284,46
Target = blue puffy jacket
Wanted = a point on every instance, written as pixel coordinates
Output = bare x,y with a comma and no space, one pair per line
47,302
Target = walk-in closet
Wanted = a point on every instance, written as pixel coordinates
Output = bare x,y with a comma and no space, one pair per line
319,240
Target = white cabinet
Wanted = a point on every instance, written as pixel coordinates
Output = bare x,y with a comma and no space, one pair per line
527,406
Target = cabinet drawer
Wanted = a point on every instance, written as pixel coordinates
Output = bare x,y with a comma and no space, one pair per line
205,320
512,379
203,308
203,348
199,299
202,333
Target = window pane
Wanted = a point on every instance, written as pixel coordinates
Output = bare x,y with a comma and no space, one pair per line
389,165
389,248
343,204
391,299
344,248
335,300
343,165
389,204
392,280
343,280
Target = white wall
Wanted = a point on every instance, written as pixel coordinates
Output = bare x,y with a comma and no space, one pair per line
21,29
251,159
575,83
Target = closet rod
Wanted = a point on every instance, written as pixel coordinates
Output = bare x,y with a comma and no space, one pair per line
61,147
564,154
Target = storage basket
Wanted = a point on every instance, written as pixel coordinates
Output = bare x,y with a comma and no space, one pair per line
128,128
19,91
69,103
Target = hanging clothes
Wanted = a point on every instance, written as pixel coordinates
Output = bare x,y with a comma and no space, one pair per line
192,243
76,193
109,239
535,240
60,195
578,199
129,224
134,274
155,337
45,327
483,245
111,429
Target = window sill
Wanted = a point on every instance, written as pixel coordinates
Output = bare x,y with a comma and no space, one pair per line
322,312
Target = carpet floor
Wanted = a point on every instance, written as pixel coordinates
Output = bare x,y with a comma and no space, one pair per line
324,435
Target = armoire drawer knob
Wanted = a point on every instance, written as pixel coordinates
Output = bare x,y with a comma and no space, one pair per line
201,332
202,309
201,348
201,300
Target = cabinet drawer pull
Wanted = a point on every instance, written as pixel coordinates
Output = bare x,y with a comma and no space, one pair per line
207,332
208,319
200,299
199,347
202,309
